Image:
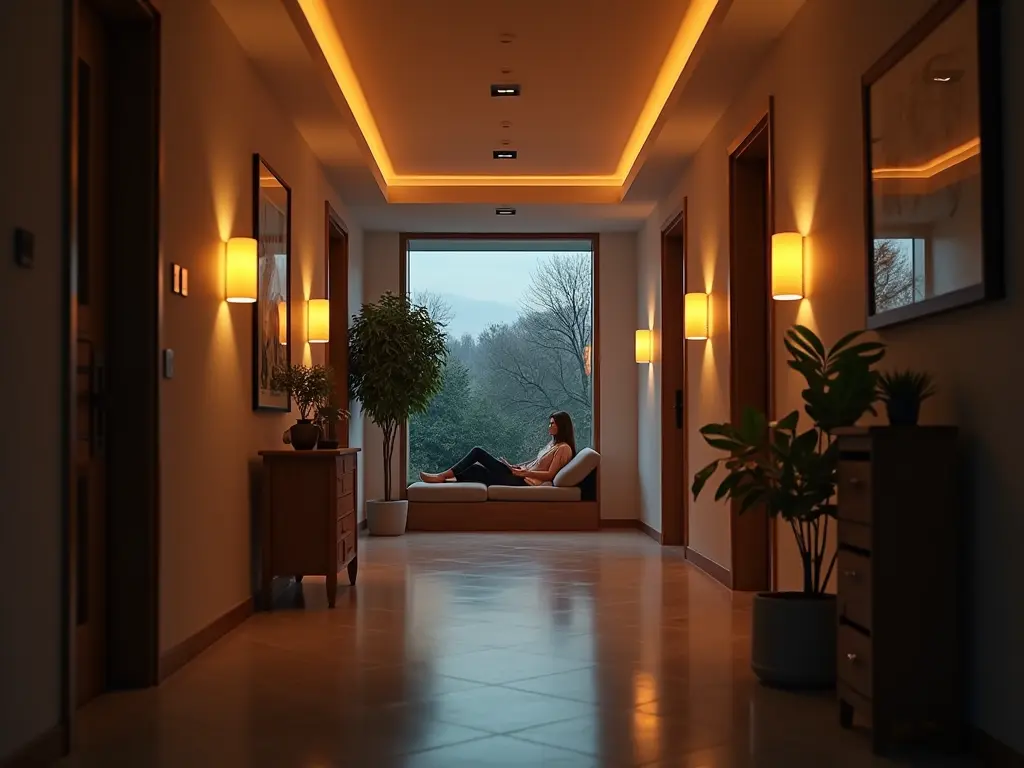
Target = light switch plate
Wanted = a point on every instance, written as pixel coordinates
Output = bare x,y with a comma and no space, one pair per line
168,363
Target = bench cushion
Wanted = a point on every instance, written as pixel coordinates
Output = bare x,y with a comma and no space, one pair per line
576,471
447,492
532,493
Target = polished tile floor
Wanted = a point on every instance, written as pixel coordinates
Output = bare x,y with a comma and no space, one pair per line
483,651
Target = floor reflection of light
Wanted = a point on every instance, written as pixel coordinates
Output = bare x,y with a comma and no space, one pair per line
646,727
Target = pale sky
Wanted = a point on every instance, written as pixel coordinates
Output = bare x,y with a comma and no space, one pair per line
486,276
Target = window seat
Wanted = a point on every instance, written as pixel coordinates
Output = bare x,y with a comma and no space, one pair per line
569,504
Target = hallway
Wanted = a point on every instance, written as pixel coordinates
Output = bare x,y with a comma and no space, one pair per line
483,650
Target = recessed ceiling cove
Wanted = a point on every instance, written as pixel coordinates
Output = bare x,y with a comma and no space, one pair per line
417,76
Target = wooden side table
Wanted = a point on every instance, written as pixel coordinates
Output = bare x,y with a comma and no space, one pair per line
308,517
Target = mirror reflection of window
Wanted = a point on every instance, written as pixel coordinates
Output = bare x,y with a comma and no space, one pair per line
926,168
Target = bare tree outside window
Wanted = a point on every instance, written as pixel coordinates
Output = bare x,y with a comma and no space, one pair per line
893,275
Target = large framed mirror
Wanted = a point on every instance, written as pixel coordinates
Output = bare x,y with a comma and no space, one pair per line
272,229
933,166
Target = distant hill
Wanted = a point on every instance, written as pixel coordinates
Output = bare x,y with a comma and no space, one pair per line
472,316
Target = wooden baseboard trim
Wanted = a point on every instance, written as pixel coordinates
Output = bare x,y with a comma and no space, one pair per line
717,572
44,750
620,523
181,654
993,752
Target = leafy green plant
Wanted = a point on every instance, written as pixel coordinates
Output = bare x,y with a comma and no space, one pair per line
905,387
309,387
792,473
397,354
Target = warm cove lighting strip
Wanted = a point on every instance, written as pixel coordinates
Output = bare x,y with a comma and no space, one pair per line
694,22
933,167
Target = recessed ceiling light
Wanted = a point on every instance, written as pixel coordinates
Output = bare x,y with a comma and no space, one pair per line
946,75
507,89
505,154
505,211
506,123
507,37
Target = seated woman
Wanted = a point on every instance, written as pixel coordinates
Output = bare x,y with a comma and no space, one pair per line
478,466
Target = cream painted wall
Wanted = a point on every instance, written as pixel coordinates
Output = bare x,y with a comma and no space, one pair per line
216,113
617,254
648,316
814,74
32,311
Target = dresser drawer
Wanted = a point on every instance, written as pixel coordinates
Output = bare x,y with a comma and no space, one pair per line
854,587
346,523
856,535
346,464
854,659
346,483
346,548
854,491
346,505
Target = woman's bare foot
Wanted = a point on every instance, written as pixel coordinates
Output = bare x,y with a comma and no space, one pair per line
440,477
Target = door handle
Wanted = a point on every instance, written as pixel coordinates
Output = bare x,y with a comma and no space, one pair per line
92,398
679,409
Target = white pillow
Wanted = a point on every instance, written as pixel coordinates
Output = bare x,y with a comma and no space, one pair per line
576,471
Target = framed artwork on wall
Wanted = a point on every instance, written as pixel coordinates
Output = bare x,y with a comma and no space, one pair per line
272,219
933,166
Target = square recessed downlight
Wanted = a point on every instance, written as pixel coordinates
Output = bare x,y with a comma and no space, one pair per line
505,154
505,211
506,89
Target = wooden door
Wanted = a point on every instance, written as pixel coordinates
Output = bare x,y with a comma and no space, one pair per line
89,526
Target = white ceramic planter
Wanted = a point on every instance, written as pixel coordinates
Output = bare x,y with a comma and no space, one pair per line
794,640
387,518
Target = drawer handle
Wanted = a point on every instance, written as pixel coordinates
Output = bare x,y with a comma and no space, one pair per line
852,658
854,481
850,574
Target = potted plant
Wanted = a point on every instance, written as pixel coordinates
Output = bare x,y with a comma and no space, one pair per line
792,474
327,417
309,387
903,392
397,354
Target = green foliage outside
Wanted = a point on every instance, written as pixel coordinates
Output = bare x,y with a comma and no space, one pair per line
500,387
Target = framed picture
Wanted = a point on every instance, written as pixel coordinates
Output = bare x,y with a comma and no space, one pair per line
272,219
933,166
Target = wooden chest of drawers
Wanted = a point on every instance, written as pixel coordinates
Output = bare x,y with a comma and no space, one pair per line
309,517
899,601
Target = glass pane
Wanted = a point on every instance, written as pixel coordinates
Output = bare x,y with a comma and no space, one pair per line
519,324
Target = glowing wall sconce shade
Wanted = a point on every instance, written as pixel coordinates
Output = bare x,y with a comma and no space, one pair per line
282,323
787,266
587,362
695,316
318,321
644,344
240,270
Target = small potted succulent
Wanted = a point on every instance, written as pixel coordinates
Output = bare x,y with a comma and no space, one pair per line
903,392
310,388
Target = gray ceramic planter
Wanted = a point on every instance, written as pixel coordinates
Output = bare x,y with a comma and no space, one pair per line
794,640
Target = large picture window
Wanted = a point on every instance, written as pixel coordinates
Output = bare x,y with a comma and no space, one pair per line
519,319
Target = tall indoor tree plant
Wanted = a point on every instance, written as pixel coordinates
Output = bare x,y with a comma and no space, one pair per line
397,354
792,474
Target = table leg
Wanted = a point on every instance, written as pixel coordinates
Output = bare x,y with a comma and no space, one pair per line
353,569
332,588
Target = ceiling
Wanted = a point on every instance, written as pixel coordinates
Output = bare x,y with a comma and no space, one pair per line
393,96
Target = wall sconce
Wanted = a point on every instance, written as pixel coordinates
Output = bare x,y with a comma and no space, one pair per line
318,319
787,266
240,270
695,316
644,346
282,323
587,360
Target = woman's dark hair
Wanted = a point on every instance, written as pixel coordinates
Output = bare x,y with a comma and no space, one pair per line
566,433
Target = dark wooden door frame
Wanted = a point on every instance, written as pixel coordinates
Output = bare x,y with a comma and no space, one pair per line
674,416
336,280
752,535
135,282
595,356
